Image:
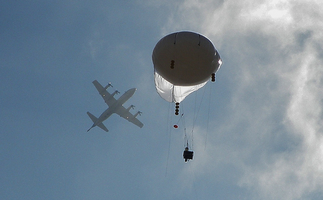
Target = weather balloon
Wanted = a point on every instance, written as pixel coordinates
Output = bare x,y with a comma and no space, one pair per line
183,63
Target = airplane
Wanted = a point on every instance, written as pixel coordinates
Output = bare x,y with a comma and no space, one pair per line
115,106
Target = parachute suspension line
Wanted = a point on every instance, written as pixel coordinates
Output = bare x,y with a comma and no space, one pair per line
196,113
192,136
173,98
208,114
169,131
180,118
194,116
184,128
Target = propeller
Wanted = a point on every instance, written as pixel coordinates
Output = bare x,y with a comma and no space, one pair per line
132,106
109,85
138,113
115,92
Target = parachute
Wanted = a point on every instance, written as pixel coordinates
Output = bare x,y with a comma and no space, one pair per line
183,63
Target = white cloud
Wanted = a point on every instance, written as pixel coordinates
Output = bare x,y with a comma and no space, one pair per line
274,60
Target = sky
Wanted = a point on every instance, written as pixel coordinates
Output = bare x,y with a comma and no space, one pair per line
258,133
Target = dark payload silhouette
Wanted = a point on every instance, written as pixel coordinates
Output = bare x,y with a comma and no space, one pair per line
187,155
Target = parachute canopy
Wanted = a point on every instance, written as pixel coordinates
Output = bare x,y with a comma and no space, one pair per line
183,63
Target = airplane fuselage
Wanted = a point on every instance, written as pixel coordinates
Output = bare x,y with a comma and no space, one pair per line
113,108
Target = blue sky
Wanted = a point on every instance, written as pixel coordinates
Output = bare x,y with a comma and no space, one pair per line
261,140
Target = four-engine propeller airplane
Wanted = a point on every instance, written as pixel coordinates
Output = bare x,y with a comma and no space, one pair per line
115,106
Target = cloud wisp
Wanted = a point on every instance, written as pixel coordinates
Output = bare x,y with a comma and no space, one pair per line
272,70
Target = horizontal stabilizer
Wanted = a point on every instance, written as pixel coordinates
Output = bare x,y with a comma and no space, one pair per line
93,118
103,127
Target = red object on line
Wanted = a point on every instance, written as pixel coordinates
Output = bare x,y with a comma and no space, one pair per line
175,126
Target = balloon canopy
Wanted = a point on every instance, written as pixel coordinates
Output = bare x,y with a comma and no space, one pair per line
183,63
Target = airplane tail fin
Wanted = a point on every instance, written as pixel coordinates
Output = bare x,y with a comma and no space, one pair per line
94,119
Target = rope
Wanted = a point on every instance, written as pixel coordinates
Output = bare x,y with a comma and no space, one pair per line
180,118
208,115
197,113
184,125
169,131
198,109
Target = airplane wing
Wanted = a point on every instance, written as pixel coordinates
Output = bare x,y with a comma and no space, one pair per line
107,97
123,112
